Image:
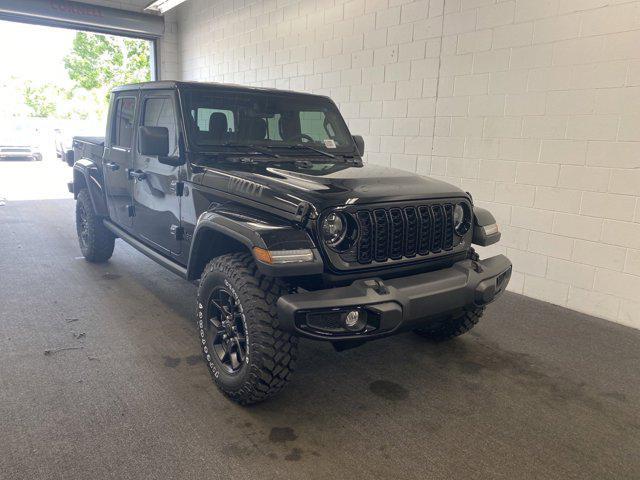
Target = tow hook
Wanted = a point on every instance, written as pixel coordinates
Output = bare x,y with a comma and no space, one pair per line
476,266
377,286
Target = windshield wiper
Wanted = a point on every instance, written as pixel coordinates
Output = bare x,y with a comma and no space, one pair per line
255,148
237,158
305,147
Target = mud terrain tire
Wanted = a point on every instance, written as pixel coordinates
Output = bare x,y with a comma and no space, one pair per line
236,307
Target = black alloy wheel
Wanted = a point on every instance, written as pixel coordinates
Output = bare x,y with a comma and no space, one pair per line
226,332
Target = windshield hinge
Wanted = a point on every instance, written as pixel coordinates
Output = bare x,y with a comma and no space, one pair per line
302,213
177,232
177,187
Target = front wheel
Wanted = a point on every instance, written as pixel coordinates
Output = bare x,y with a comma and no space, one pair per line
96,241
249,358
452,326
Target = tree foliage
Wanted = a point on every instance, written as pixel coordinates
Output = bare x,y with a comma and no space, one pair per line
103,61
41,99
95,64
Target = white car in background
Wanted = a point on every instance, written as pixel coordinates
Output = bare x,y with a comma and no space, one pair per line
62,141
20,143
19,152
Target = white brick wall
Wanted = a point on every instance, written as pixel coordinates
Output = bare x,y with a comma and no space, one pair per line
168,49
531,105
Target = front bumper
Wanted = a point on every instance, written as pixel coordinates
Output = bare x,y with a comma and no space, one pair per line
399,304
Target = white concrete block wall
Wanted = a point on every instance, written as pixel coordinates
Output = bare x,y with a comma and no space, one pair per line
168,48
531,105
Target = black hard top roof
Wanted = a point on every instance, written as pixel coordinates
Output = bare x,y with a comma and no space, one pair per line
169,84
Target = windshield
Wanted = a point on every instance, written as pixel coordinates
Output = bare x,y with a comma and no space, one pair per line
270,120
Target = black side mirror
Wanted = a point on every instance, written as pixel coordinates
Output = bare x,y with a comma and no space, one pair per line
153,141
359,141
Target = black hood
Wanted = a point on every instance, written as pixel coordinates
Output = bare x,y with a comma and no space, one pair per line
323,184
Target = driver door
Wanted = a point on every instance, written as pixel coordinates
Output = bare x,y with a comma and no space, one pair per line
156,185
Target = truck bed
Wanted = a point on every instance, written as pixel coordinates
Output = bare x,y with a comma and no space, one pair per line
92,140
88,147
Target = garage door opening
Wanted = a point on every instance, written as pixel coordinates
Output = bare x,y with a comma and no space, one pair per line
54,84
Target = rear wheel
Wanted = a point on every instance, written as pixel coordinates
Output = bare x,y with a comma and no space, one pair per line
96,241
248,357
452,326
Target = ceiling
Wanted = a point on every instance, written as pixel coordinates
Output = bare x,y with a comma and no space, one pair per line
137,5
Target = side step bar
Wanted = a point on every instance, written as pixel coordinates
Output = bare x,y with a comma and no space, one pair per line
149,252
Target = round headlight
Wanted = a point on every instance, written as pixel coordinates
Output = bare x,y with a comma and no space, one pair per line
461,219
334,229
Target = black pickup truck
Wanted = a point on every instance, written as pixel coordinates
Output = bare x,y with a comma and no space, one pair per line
261,197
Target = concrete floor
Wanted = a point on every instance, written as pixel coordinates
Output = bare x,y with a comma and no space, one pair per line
535,391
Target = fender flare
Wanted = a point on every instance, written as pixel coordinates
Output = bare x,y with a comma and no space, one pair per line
484,236
251,231
86,172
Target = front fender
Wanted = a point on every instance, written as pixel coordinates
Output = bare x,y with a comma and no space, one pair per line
485,229
252,230
87,174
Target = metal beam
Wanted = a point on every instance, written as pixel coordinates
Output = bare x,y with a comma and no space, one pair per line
83,16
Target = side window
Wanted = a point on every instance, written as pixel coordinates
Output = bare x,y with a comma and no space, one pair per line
122,129
159,112
313,124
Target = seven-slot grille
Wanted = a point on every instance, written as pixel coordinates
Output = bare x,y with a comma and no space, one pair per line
394,233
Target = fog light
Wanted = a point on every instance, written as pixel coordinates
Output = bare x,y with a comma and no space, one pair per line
337,321
352,318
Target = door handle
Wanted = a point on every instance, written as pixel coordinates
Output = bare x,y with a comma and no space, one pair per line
137,175
112,166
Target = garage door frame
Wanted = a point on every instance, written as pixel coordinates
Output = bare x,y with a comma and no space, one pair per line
87,17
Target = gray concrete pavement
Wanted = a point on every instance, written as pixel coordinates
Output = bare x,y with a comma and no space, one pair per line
535,391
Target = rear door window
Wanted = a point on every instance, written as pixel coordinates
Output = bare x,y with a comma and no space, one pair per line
124,115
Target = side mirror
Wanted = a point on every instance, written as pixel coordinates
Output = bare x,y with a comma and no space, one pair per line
359,141
153,141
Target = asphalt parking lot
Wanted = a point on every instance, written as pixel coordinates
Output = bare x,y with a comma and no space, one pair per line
100,377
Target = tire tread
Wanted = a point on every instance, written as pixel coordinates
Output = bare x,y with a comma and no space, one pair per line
451,327
273,351
101,240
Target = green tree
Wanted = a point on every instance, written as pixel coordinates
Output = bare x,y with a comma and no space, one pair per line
100,62
41,99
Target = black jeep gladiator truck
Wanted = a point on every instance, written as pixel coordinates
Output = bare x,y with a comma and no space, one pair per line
261,197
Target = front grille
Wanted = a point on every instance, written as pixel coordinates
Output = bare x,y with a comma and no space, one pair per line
395,233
